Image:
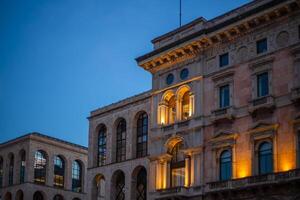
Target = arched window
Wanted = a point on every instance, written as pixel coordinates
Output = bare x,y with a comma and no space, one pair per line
76,176
121,141
11,170
185,109
102,146
265,158
22,166
225,165
141,186
172,109
38,196
99,193
120,186
142,135
40,163
58,197
1,172
59,172
19,195
177,166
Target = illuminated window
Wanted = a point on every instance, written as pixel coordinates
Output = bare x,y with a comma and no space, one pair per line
177,166
121,141
141,186
224,97
59,171
120,186
102,146
142,135
76,177
223,60
11,170
1,172
40,162
261,46
265,158
22,167
225,165
185,106
262,84
38,196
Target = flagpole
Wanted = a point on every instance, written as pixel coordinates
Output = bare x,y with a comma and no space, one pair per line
179,13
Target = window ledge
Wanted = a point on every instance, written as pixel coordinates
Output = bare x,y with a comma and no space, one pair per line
265,103
223,114
295,95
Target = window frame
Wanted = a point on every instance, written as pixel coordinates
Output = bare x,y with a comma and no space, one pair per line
121,141
102,144
43,173
77,176
58,172
177,164
11,167
222,62
262,49
142,135
222,102
22,167
259,89
224,164
270,156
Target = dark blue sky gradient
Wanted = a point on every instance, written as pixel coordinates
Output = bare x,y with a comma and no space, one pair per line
60,59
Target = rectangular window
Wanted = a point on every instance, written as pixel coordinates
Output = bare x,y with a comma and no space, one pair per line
262,84
261,46
298,153
224,96
223,60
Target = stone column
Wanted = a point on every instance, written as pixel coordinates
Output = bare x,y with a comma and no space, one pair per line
68,174
187,170
192,104
152,176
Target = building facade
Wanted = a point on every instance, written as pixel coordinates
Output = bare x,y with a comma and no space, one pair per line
222,120
40,167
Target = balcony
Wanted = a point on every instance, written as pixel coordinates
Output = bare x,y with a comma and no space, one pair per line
295,95
261,105
253,181
223,115
178,192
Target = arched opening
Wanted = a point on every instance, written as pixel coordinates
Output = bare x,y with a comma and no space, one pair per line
99,187
59,172
77,176
185,102
1,172
139,183
121,141
19,195
177,166
118,185
8,196
142,135
102,145
22,165
38,196
167,109
265,158
225,165
40,164
11,159
58,197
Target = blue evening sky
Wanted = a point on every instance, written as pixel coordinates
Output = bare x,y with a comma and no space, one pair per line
61,59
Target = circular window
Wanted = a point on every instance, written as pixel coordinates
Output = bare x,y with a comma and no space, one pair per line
184,73
170,79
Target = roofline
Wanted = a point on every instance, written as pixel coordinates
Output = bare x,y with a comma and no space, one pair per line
43,136
213,28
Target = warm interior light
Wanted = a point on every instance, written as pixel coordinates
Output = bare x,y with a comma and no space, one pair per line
243,169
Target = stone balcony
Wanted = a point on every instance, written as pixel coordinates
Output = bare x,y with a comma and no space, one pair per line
252,181
173,192
261,104
223,114
295,95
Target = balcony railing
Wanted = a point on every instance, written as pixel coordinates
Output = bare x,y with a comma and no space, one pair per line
296,94
266,102
254,180
222,114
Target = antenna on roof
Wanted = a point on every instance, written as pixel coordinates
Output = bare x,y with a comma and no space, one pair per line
179,13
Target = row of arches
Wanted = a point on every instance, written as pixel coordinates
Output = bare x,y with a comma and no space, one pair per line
141,142
38,195
118,185
41,163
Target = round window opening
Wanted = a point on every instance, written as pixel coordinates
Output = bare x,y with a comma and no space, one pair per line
170,79
184,73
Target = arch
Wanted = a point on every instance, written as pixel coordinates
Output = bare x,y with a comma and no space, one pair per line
167,95
58,197
121,140
182,90
184,102
118,185
38,196
225,168
77,176
8,196
19,195
1,171
141,134
22,156
40,166
265,158
172,141
11,163
139,183
98,190
59,171
101,137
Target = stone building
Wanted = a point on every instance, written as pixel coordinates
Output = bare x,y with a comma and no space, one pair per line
222,120
40,167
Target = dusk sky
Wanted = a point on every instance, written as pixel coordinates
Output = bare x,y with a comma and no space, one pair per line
61,59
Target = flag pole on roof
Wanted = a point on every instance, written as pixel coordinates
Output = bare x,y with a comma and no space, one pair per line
179,13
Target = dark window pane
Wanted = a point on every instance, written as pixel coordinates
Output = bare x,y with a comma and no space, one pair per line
170,79
142,133
262,84
265,158
262,46
102,146
121,141
40,167
225,165
22,168
59,172
76,177
11,170
184,74
1,172
224,59
224,96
